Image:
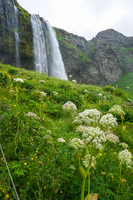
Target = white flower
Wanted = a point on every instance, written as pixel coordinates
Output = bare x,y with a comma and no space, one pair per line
61,140
94,135
69,106
124,145
112,138
19,80
32,115
85,91
125,157
76,143
81,129
11,91
117,110
48,137
74,81
48,131
93,114
43,94
86,161
42,81
108,121
55,93
99,146
70,76
81,119
100,95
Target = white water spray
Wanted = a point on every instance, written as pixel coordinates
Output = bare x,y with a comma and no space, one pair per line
40,56
17,40
56,65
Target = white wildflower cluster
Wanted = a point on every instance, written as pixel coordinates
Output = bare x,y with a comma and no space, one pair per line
117,110
86,91
77,144
80,129
74,81
70,76
32,115
108,121
43,94
88,117
82,120
100,95
11,91
87,159
125,157
19,80
55,93
69,106
61,140
49,131
112,138
48,138
124,145
42,81
94,114
95,136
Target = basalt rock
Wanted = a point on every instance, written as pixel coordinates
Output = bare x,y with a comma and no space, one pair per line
89,62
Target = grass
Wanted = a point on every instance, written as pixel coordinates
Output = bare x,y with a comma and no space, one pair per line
126,83
42,167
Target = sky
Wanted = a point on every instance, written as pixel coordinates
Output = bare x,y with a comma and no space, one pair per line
84,17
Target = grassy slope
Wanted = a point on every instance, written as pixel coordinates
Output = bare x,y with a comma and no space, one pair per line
41,167
126,81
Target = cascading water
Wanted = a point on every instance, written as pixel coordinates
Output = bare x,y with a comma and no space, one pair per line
47,56
10,12
40,56
55,62
17,40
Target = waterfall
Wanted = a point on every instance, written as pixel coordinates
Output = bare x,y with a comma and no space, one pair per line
17,40
47,56
40,56
56,65
10,11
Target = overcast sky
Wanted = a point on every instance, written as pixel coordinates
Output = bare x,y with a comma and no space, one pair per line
84,17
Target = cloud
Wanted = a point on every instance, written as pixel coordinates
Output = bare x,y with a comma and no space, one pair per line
84,17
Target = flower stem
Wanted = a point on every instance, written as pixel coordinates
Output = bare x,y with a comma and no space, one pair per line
119,181
83,189
88,184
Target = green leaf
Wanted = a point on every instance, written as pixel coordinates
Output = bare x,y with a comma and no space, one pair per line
20,172
92,197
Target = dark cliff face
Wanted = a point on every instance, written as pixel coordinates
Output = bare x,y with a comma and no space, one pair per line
122,45
100,61
7,37
90,62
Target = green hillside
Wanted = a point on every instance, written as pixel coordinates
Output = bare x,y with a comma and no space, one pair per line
62,140
126,83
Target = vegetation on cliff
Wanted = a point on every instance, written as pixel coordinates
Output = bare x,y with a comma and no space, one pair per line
38,130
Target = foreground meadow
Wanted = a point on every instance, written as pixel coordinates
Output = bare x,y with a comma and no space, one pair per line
62,140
